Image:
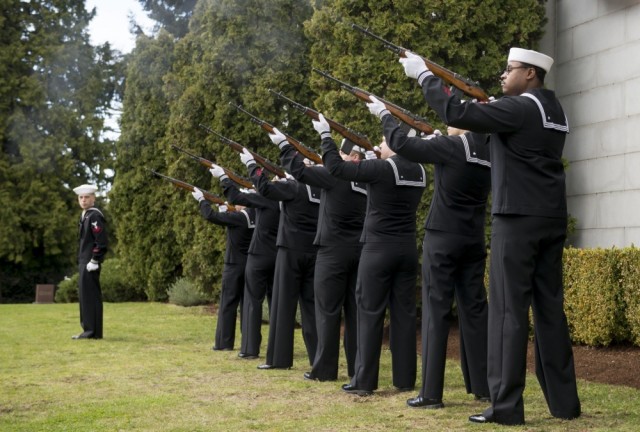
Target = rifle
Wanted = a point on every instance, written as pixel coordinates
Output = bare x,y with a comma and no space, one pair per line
232,175
186,186
404,115
269,166
350,134
469,87
304,150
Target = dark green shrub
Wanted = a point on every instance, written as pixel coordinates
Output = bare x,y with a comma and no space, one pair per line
67,290
183,292
116,284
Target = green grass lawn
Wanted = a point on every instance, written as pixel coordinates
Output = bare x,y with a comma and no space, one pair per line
155,371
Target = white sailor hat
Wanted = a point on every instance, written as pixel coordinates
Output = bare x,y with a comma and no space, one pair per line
531,57
85,189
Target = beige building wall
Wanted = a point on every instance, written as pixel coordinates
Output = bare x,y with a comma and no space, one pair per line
596,47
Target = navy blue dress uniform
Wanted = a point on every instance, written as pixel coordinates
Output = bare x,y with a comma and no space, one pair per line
260,266
388,264
454,255
295,263
240,226
528,128
93,241
340,221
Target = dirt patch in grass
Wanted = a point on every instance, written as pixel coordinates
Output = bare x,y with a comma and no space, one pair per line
617,365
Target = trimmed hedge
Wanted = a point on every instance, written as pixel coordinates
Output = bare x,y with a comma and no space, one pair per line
602,295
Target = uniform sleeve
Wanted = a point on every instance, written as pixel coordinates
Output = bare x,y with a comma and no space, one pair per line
253,200
502,116
273,190
367,171
437,150
220,218
99,234
317,176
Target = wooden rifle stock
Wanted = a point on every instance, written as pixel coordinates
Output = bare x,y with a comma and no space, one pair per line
304,150
402,114
209,164
346,132
266,164
189,187
467,86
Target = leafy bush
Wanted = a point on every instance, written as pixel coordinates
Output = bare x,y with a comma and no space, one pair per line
67,291
116,284
593,295
630,280
183,292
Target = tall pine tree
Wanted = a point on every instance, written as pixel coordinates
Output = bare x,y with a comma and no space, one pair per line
55,91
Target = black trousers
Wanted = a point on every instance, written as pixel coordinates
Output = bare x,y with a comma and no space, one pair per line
292,282
453,266
386,277
526,270
334,287
230,298
258,283
90,298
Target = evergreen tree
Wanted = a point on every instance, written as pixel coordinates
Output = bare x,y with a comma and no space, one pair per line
140,204
470,37
171,15
55,91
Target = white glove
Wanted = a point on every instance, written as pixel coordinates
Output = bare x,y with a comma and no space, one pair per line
278,138
322,127
436,133
247,158
371,154
377,108
218,172
92,266
308,162
222,208
414,66
197,194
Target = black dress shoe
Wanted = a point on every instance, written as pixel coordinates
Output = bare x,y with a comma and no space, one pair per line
309,377
221,349
480,418
268,367
247,356
84,335
482,398
348,388
420,402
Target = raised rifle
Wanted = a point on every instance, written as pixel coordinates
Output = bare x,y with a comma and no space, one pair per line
186,186
350,134
266,164
402,114
467,86
244,182
304,150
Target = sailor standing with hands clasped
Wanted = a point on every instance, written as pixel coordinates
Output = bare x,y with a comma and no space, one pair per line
92,235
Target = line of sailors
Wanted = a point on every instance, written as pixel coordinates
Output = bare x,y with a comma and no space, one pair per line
340,240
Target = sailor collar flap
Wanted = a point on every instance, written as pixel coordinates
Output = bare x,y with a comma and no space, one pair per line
314,194
251,223
359,187
553,116
407,173
476,150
